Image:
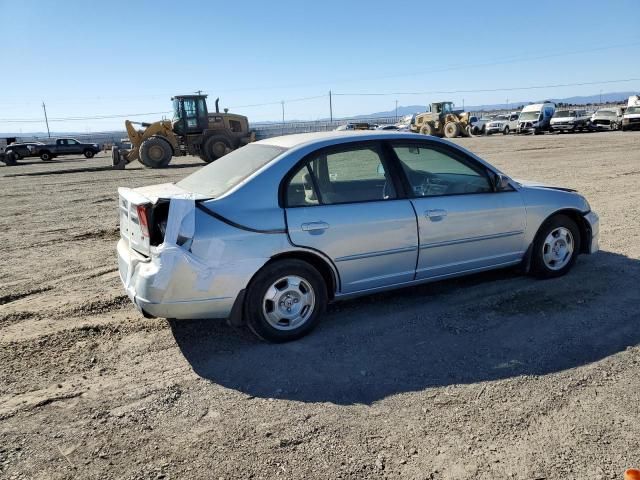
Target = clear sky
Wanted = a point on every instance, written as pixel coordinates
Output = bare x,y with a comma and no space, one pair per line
101,58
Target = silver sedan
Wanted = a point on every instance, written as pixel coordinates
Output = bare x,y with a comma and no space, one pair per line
267,235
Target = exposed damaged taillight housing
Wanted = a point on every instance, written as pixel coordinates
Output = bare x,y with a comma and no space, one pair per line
143,218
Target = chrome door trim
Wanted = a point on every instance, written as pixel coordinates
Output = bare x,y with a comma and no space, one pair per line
471,239
360,256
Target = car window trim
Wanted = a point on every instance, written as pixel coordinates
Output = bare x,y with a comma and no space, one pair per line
456,154
376,145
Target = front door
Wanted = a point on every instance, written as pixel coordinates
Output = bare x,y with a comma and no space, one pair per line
464,223
343,203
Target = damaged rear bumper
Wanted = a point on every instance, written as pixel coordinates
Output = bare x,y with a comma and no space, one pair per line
156,296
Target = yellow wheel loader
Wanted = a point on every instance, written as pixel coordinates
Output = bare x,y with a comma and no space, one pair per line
193,131
441,120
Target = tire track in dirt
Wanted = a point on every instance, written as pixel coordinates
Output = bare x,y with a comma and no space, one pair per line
12,297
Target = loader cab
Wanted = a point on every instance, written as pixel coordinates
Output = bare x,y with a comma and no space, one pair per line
440,108
190,115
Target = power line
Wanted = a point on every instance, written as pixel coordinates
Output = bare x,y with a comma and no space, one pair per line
485,90
73,119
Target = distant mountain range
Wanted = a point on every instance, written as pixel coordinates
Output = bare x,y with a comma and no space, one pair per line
612,97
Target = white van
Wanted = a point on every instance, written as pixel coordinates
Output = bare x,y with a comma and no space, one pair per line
536,118
631,117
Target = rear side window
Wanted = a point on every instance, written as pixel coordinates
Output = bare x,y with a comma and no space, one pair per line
230,170
344,176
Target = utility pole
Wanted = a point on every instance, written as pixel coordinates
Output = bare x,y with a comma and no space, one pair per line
396,111
44,107
508,105
600,96
463,104
282,103
330,107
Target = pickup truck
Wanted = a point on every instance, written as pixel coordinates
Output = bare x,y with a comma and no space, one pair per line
66,146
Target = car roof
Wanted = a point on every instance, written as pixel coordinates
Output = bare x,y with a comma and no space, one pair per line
309,139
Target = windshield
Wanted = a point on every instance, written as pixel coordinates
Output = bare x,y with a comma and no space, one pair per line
564,113
606,113
226,172
529,115
500,117
447,107
633,110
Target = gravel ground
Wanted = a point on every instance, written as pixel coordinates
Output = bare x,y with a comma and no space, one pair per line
493,376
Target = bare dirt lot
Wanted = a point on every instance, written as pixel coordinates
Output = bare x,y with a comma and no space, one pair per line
488,377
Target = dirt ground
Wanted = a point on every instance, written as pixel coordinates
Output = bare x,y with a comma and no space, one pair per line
489,377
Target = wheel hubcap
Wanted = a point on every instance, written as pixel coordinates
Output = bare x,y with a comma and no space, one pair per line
288,303
219,148
557,249
156,152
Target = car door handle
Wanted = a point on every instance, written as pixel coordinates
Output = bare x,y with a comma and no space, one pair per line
436,214
312,226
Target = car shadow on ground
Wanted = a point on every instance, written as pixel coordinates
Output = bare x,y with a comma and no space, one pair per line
479,328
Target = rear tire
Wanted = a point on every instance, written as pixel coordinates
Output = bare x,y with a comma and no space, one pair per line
555,247
285,301
46,156
89,153
155,153
11,159
216,147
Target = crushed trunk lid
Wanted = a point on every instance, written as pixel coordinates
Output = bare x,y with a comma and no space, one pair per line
140,209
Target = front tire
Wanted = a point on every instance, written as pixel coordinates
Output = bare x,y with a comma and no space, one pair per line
155,153
506,130
285,301
427,129
555,247
89,153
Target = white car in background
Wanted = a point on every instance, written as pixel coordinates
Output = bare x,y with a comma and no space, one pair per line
478,126
607,118
503,124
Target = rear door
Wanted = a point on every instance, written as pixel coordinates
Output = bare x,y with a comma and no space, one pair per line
464,224
343,203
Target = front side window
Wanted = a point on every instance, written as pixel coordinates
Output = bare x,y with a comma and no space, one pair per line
432,172
72,142
346,176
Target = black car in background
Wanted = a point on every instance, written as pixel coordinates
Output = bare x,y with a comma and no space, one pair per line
23,150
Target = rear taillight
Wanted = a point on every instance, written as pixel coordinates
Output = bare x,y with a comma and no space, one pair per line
143,218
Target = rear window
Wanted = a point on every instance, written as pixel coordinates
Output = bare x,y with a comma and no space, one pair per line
226,172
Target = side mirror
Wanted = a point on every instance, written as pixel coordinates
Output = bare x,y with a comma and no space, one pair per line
501,182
